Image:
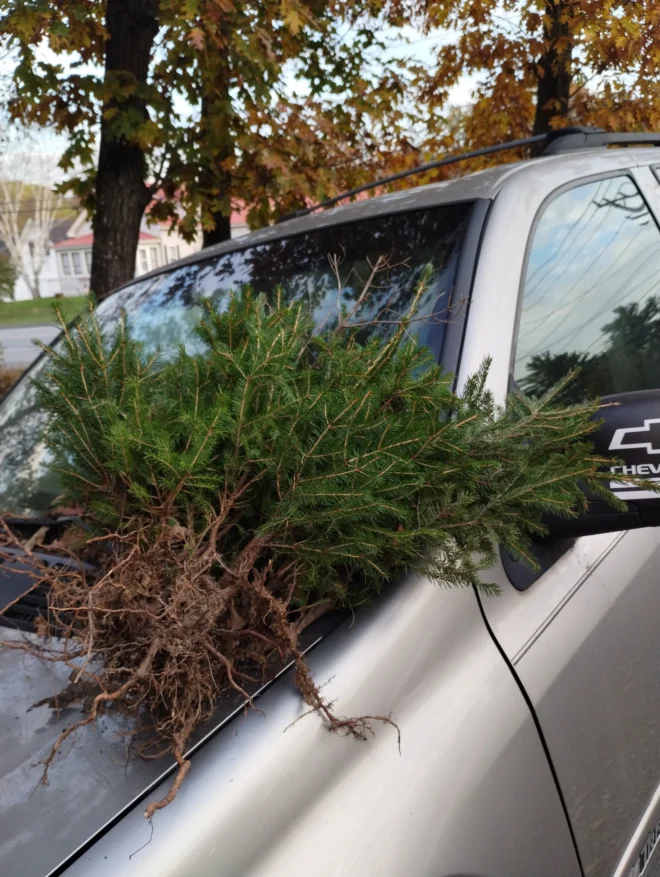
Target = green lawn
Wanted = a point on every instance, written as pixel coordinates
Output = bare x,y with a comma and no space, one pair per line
39,311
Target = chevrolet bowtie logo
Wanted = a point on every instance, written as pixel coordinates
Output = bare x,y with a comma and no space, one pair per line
633,437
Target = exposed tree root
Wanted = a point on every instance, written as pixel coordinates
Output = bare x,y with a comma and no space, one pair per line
166,626
184,767
104,698
357,726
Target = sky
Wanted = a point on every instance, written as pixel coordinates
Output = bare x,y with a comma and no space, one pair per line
423,48
595,248
403,42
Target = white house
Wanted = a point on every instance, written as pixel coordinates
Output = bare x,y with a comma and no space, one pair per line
49,280
157,246
67,268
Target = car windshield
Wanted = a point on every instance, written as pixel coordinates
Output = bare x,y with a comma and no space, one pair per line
327,268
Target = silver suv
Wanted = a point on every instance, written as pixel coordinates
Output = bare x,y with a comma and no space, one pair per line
530,722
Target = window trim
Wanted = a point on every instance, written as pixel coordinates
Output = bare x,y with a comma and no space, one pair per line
79,254
65,258
450,352
142,255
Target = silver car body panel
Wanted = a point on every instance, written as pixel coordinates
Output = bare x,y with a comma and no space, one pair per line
583,639
42,825
469,792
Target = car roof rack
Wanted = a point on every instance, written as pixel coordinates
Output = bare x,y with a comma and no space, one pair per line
569,139
582,137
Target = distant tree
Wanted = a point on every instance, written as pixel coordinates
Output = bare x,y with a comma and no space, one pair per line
633,350
543,64
629,361
8,277
30,209
542,367
121,73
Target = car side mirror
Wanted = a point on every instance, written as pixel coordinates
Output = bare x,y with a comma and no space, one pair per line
630,431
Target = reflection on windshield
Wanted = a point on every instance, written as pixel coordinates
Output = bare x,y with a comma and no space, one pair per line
26,485
22,455
327,269
591,297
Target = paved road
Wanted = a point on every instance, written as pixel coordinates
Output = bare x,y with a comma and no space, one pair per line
17,346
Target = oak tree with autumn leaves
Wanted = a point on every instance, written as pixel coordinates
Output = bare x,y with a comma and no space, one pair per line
191,101
202,104
543,64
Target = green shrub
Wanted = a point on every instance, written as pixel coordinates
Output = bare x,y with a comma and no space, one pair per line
240,492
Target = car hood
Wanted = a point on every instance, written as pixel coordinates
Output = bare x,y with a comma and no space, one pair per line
92,781
41,826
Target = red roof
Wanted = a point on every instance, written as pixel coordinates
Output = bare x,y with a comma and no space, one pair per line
238,215
86,240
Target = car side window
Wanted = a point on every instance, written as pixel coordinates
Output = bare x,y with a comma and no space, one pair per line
591,294
590,300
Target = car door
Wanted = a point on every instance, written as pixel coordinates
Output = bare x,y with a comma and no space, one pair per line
582,633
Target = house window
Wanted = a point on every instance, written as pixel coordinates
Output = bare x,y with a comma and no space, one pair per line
88,261
65,259
76,259
142,260
173,253
153,256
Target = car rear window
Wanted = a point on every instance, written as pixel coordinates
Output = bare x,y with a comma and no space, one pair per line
327,268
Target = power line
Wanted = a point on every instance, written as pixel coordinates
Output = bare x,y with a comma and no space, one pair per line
565,300
594,230
592,317
579,250
556,253
608,306
562,302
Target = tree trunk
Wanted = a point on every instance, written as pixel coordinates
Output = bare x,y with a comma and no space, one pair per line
121,195
217,147
220,232
31,277
555,73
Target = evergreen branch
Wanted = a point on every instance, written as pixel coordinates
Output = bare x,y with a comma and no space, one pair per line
232,494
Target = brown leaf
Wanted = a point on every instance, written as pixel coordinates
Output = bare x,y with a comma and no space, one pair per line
196,38
36,539
41,626
72,540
